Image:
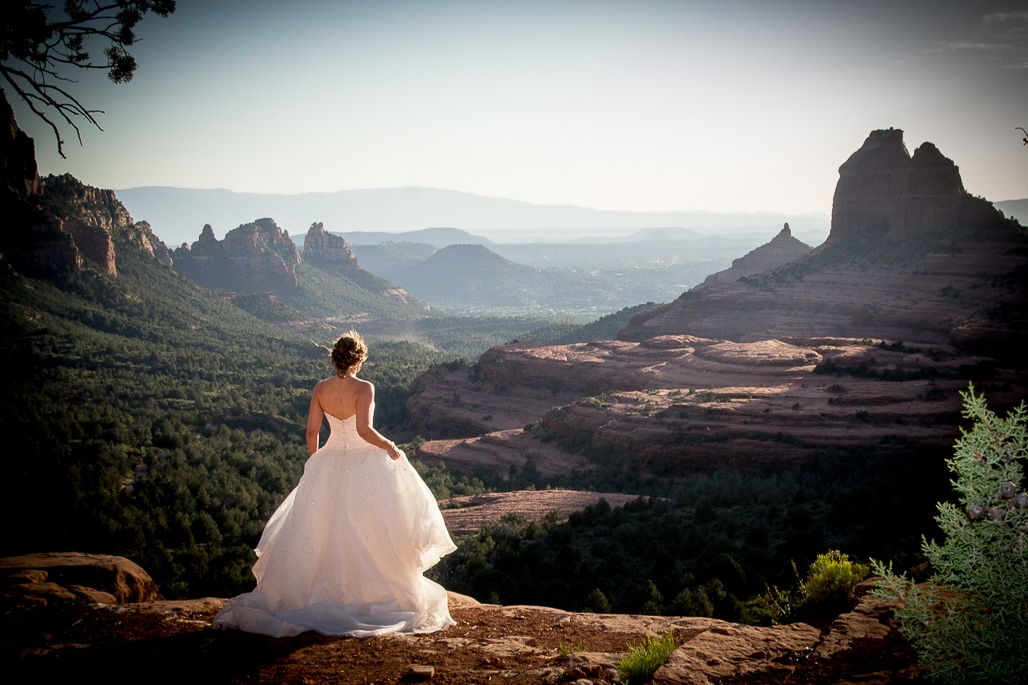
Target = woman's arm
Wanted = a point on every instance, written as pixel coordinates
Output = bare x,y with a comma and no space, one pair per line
365,413
315,415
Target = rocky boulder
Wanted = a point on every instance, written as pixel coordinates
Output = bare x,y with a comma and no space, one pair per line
40,579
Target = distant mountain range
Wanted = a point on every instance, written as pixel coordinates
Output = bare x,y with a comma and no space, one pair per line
476,275
178,214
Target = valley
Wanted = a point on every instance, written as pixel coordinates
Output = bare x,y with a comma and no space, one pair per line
744,401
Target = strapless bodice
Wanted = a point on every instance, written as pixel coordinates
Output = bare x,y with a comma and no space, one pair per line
343,435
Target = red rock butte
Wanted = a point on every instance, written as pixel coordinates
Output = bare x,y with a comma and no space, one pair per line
860,346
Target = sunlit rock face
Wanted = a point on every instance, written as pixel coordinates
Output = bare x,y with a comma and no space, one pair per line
142,237
253,258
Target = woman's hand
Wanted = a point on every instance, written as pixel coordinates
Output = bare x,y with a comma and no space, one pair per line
394,452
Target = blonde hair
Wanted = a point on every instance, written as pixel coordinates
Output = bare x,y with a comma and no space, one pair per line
348,351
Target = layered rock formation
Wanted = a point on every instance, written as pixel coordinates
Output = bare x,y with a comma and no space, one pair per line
782,250
858,348
253,258
677,404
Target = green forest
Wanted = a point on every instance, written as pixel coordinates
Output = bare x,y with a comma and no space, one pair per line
151,418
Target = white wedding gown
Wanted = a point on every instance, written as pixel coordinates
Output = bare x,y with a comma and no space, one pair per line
345,553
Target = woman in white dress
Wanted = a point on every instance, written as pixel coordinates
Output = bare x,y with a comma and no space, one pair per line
346,551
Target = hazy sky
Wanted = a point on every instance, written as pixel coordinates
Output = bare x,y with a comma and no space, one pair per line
642,105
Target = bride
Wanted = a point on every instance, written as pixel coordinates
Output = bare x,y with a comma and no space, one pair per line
345,553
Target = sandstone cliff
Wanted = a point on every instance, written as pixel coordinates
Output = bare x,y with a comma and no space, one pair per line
253,258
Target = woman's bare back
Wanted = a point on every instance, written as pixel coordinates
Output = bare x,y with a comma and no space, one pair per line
342,397
339,396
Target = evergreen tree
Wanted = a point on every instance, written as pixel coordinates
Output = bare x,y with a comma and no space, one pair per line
970,622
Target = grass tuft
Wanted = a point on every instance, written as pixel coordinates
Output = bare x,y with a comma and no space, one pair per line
643,660
566,648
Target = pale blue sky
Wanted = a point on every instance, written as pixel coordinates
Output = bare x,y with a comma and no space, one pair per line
644,105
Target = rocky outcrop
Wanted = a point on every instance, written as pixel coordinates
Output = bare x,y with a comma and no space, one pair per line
253,258
39,579
488,643
327,250
36,243
882,188
142,237
859,347
94,243
72,223
91,216
66,196
910,257
783,249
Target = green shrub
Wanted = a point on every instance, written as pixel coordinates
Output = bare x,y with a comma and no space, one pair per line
831,580
969,623
643,660
827,591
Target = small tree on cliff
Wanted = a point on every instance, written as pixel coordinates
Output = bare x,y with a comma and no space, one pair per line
40,45
969,624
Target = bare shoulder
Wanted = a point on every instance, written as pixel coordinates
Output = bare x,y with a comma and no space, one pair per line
323,386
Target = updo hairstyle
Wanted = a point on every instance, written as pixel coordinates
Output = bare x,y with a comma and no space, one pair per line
348,351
